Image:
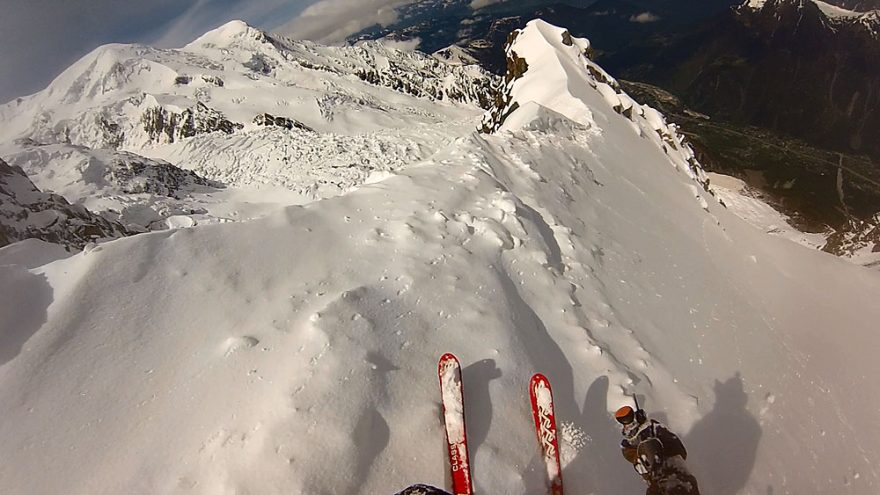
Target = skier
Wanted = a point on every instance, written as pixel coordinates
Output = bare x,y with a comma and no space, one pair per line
655,453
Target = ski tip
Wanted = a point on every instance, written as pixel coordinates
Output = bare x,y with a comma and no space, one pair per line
539,379
448,357
447,361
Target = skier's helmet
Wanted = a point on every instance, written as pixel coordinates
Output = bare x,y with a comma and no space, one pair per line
625,415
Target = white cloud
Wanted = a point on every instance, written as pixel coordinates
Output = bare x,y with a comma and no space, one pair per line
644,17
479,4
403,45
182,28
330,21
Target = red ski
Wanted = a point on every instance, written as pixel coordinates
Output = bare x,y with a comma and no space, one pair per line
545,426
449,371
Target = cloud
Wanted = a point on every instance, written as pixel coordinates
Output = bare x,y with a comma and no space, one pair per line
403,45
204,15
479,4
644,17
331,21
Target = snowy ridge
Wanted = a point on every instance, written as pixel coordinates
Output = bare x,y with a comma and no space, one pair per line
545,58
296,353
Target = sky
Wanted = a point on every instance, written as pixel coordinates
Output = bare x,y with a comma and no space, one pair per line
330,21
40,38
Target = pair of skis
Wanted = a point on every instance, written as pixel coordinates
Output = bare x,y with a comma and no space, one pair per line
541,396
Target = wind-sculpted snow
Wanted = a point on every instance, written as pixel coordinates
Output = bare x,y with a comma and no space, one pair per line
296,353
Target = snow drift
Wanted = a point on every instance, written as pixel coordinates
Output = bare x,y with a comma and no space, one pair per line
297,353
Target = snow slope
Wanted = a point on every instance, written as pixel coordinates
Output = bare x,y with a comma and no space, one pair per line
297,353
746,204
833,11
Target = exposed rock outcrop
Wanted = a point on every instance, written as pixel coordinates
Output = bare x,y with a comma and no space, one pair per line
285,122
26,212
163,125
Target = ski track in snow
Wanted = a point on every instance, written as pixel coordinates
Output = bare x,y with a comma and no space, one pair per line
296,353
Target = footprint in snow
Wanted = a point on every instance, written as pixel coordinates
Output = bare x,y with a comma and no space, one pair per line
235,344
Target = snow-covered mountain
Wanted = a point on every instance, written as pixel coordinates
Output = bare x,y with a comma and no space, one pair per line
296,353
835,17
748,65
792,50
240,108
454,55
755,67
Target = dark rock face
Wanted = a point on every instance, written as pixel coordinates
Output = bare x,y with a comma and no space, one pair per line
136,175
260,64
786,67
516,65
285,122
487,47
820,191
503,104
820,81
166,126
213,80
26,212
856,234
